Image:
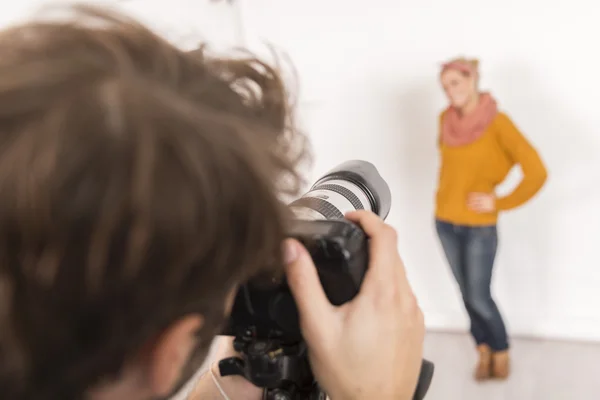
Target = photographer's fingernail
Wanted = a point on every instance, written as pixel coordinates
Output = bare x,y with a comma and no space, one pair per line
291,251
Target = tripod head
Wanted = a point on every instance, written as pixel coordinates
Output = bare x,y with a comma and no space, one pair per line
282,370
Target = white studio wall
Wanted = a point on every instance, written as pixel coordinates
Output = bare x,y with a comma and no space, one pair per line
368,89
184,22
188,22
368,83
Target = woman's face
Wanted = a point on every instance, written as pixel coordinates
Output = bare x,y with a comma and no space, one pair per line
459,88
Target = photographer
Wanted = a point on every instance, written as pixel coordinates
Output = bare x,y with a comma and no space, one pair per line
139,187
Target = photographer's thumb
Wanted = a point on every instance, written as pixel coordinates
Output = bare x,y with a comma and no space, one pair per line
313,305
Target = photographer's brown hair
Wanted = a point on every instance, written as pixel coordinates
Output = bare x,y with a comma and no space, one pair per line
138,183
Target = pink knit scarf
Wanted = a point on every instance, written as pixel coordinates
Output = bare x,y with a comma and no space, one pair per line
460,130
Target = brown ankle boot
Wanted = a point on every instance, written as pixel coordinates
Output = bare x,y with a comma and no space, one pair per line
483,368
500,365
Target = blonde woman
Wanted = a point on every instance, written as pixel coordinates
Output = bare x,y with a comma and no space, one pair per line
478,146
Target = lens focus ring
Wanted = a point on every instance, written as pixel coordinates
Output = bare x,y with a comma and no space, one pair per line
328,210
348,194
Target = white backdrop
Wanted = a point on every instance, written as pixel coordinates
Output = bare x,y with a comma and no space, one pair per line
368,89
368,78
185,22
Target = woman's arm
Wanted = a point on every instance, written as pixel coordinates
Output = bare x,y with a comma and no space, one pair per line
523,153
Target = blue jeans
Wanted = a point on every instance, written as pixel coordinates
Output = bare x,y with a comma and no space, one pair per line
471,252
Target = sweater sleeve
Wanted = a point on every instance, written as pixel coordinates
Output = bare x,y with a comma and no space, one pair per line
523,153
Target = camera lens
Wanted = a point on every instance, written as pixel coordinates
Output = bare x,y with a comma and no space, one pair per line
353,185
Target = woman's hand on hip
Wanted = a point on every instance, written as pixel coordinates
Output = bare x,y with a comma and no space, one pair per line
481,203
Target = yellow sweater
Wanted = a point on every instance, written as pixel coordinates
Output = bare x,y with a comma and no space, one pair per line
480,167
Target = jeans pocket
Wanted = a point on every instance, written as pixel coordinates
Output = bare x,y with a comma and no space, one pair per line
485,231
483,239
479,257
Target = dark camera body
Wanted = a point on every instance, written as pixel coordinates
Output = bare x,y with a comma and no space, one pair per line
339,249
264,318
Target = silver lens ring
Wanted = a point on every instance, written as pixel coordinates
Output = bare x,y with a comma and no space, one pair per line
331,199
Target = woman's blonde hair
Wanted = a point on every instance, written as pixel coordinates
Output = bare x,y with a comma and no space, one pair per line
471,62
474,62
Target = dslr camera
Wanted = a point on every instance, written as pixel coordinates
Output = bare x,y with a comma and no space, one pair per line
264,318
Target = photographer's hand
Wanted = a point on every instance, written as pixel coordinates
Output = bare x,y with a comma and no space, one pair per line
371,347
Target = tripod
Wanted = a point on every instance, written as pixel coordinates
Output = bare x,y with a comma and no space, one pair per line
282,370
279,394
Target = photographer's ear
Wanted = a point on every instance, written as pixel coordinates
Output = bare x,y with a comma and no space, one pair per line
171,353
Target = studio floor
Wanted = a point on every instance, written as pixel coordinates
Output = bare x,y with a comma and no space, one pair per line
542,370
